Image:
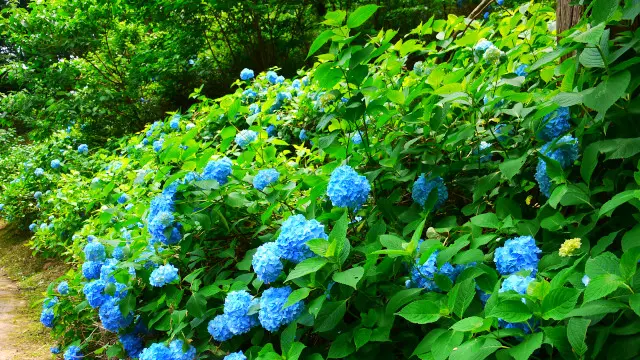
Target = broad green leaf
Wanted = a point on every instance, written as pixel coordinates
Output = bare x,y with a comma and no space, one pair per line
605,263
461,295
421,312
401,298
468,324
341,347
602,286
525,349
576,333
306,267
444,344
608,92
360,15
330,315
295,296
349,277
617,200
361,337
591,36
601,11
476,349
510,168
487,220
319,41
511,311
559,302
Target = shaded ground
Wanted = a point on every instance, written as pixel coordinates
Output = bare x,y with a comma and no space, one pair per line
23,279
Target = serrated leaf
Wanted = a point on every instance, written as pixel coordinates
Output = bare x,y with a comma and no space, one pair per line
559,302
361,15
421,312
295,296
349,277
306,267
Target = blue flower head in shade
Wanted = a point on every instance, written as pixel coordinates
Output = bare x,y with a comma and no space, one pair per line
266,263
38,172
265,178
280,79
347,188
111,317
55,164
83,149
218,170
296,84
63,288
272,77
175,122
118,253
517,254
33,227
423,187
132,344
486,15
160,221
94,251
254,108
1,207
178,353
123,199
246,137
47,317
37,195
73,353
91,269
107,269
157,351
481,47
516,283
294,234
522,70
283,95
94,293
555,124
218,328
55,350
249,94
564,151
500,2
272,315
423,276
271,130
235,356
246,74
303,135
163,275
157,145
357,138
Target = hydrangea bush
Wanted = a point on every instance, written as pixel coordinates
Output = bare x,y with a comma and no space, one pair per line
470,218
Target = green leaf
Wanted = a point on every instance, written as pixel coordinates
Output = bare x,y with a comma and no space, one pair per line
617,200
577,333
341,347
421,312
591,36
296,295
602,10
511,311
602,286
335,18
360,15
426,344
559,302
338,236
461,295
361,337
608,92
510,168
401,298
468,324
306,267
475,349
319,41
634,303
327,75
444,344
197,305
330,315
525,349
554,222
349,277
629,262
487,220
295,351
396,96
597,307
606,263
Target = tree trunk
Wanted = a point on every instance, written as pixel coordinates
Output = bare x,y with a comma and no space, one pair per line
566,17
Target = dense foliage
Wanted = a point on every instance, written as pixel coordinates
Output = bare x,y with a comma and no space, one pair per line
483,204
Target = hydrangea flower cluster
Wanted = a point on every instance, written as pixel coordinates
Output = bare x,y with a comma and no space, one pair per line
111,317
481,47
254,109
73,353
246,74
132,344
303,135
63,288
235,356
38,172
522,70
175,122
157,145
347,188
357,138
47,316
555,124
294,234
163,275
569,247
266,263
123,199
271,131
517,254
272,314
218,170
423,187
423,276
37,195
236,319
272,77
246,137
83,149
564,151
160,221
265,178
55,164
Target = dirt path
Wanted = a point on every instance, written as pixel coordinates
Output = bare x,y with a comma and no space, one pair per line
16,327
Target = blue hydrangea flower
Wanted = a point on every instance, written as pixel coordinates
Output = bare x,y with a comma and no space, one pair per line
296,84
55,164
73,353
282,96
94,293
423,187
565,151
294,234
94,251
132,344
303,135
486,15
219,329
271,130
38,172
246,137
357,138
586,280
482,46
272,315
177,352
555,124
128,207
500,2
517,254
423,276
246,74
1,207
157,351
218,170
190,126
280,79
55,350
83,149
123,199
254,108
237,303
272,77
265,178
175,122
111,317
47,317
91,269
163,275
266,263
522,70
347,188
118,253
48,303
235,356
249,94
63,288
157,145
516,283
37,195
33,227
107,269
160,220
